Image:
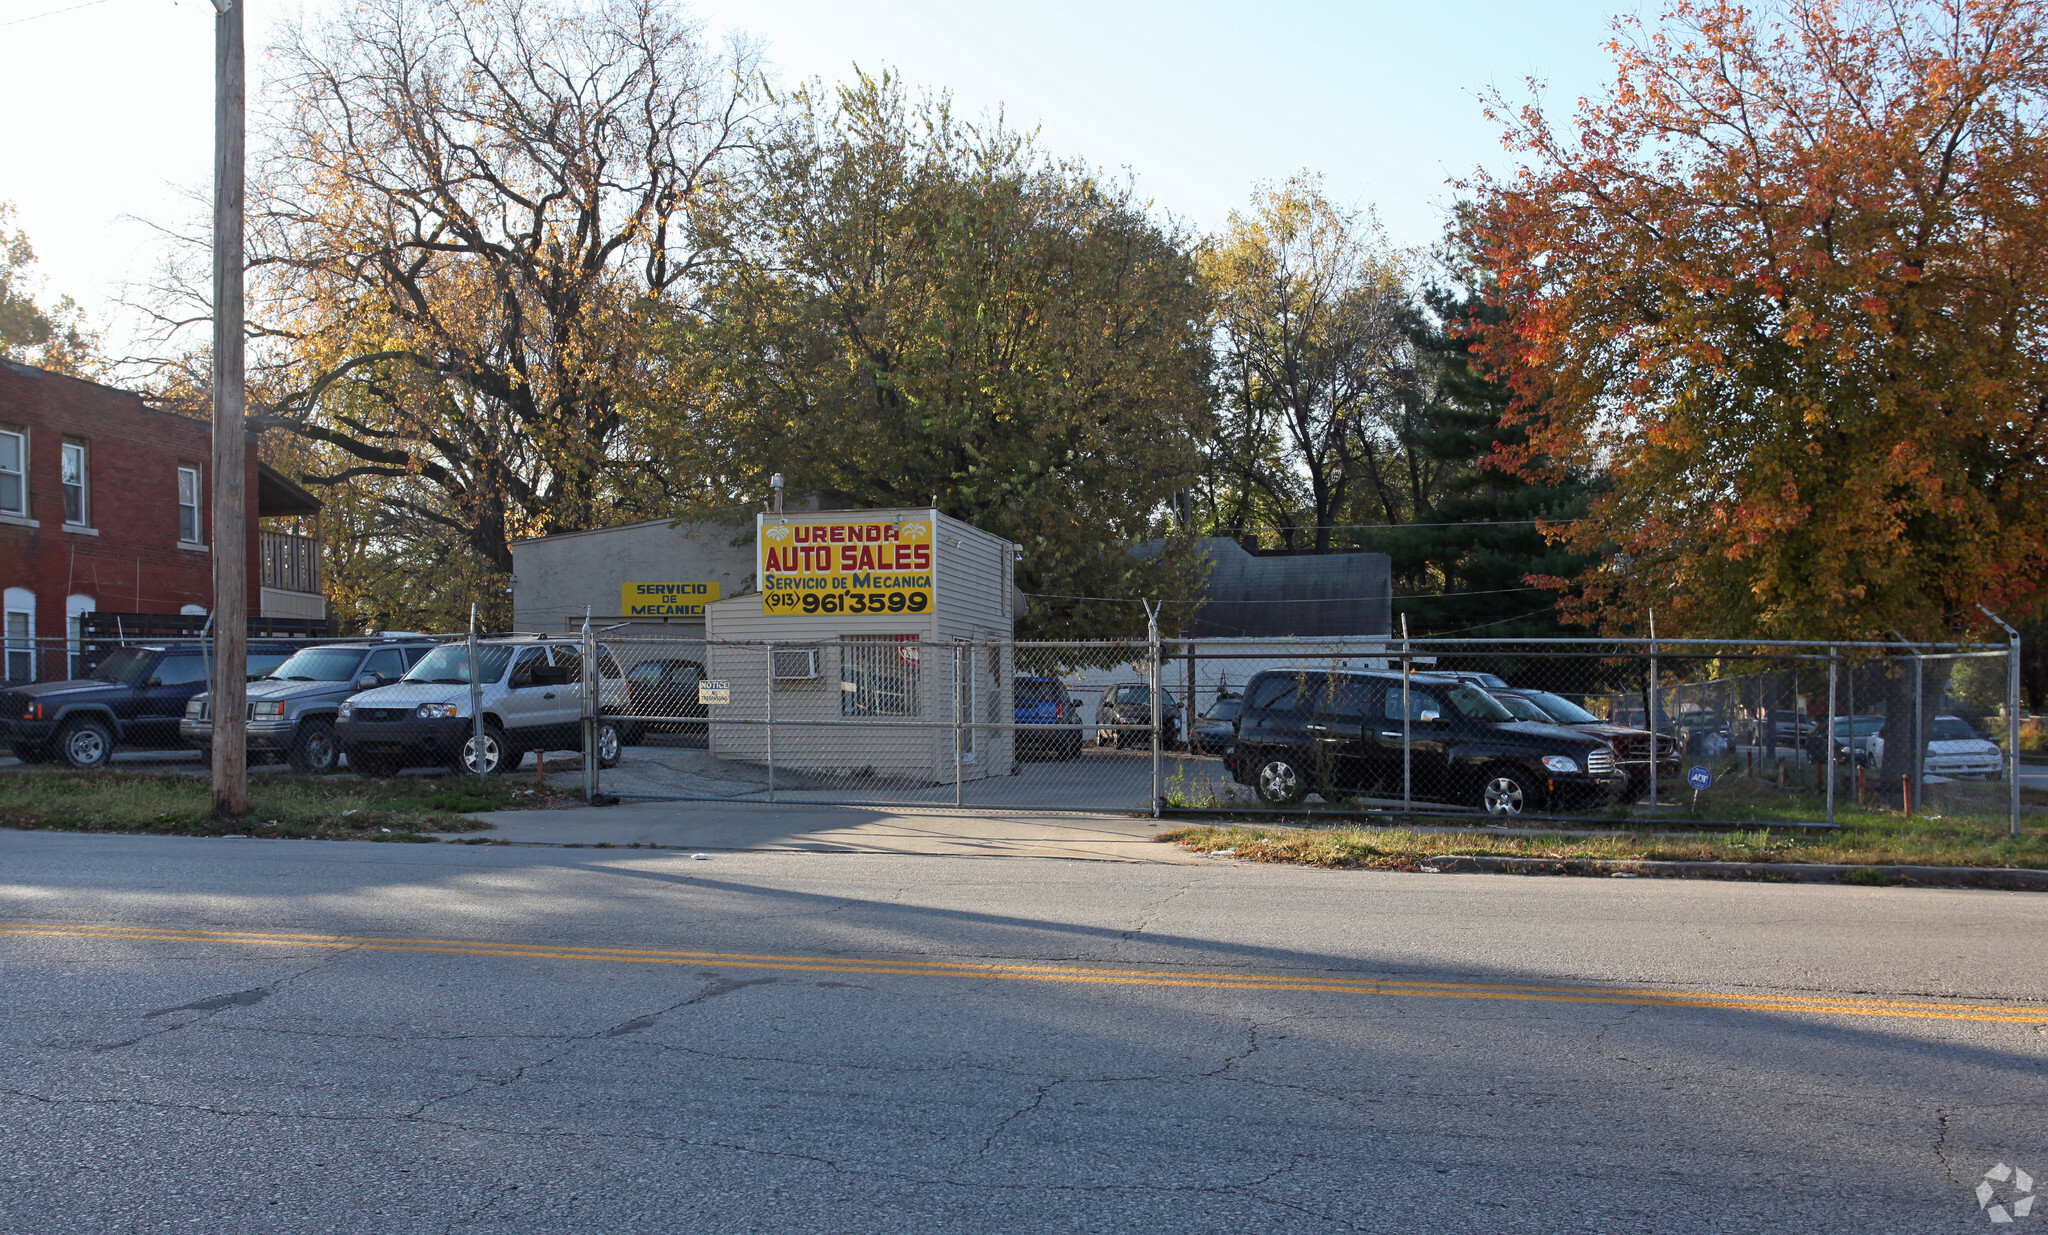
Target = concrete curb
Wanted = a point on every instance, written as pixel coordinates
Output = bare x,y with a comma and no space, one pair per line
1777,872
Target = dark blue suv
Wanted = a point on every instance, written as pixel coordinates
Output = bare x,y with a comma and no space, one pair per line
135,697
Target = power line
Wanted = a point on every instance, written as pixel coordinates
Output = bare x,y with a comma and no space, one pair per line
1395,527
1304,600
52,13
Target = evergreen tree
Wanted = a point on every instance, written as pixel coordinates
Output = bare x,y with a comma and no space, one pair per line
1467,564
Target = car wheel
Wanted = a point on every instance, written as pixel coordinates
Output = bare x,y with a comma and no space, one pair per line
315,748
495,752
609,744
1279,782
85,743
1507,792
381,766
1072,749
631,734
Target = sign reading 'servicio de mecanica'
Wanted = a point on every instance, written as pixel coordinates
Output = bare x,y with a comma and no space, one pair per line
856,566
684,599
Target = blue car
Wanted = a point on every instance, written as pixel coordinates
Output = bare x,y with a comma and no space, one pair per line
1044,701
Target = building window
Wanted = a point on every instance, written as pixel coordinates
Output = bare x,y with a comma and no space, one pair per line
74,483
188,505
13,472
878,675
76,606
18,626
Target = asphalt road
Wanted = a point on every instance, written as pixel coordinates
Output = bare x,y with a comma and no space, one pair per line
244,1036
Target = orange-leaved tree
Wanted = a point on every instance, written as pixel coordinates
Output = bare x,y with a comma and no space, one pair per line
1784,288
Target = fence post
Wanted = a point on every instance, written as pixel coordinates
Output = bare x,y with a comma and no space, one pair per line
1919,738
1650,711
476,701
959,708
1855,759
2012,717
1158,708
1827,742
1407,752
589,710
770,647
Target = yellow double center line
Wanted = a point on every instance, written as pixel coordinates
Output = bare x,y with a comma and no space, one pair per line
1831,1005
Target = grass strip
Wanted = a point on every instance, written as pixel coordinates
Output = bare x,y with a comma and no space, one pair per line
280,805
1967,829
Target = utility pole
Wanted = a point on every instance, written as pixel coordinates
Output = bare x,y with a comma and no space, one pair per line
230,534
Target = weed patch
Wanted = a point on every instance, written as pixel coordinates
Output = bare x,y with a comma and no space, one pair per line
406,810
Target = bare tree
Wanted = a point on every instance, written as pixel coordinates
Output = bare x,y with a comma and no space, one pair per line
1311,364
458,211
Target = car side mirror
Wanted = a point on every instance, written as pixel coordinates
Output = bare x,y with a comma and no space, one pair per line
151,683
1431,718
369,681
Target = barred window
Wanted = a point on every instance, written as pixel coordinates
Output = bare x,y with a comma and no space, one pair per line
878,675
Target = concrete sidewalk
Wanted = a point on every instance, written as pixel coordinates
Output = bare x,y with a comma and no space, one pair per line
848,829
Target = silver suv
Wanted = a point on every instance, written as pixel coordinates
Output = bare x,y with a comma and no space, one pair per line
292,708
532,700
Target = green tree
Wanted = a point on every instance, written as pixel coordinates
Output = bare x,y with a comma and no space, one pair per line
54,338
908,309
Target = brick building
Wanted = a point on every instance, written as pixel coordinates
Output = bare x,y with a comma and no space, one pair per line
104,506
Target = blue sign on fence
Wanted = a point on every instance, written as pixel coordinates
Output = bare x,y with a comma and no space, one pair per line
1699,777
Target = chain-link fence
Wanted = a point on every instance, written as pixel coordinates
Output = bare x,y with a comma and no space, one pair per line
1562,728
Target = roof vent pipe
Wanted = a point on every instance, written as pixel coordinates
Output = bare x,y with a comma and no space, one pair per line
775,483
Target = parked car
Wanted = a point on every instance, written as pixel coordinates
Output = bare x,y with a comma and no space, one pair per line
664,687
1472,677
1704,731
1784,728
133,699
532,700
1130,703
1632,744
1953,749
291,710
1333,733
1045,701
1853,736
1216,729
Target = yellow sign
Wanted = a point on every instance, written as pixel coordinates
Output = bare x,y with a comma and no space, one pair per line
855,567
665,600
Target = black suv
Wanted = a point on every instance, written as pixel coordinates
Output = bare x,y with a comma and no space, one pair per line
135,697
1333,733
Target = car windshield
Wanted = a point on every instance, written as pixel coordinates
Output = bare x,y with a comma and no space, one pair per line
1143,694
1563,709
125,665
448,665
646,673
320,665
1039,690
1523,709
1224,709
1475,704
1863,726
1953,729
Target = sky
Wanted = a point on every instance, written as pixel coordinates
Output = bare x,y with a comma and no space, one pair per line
106,106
